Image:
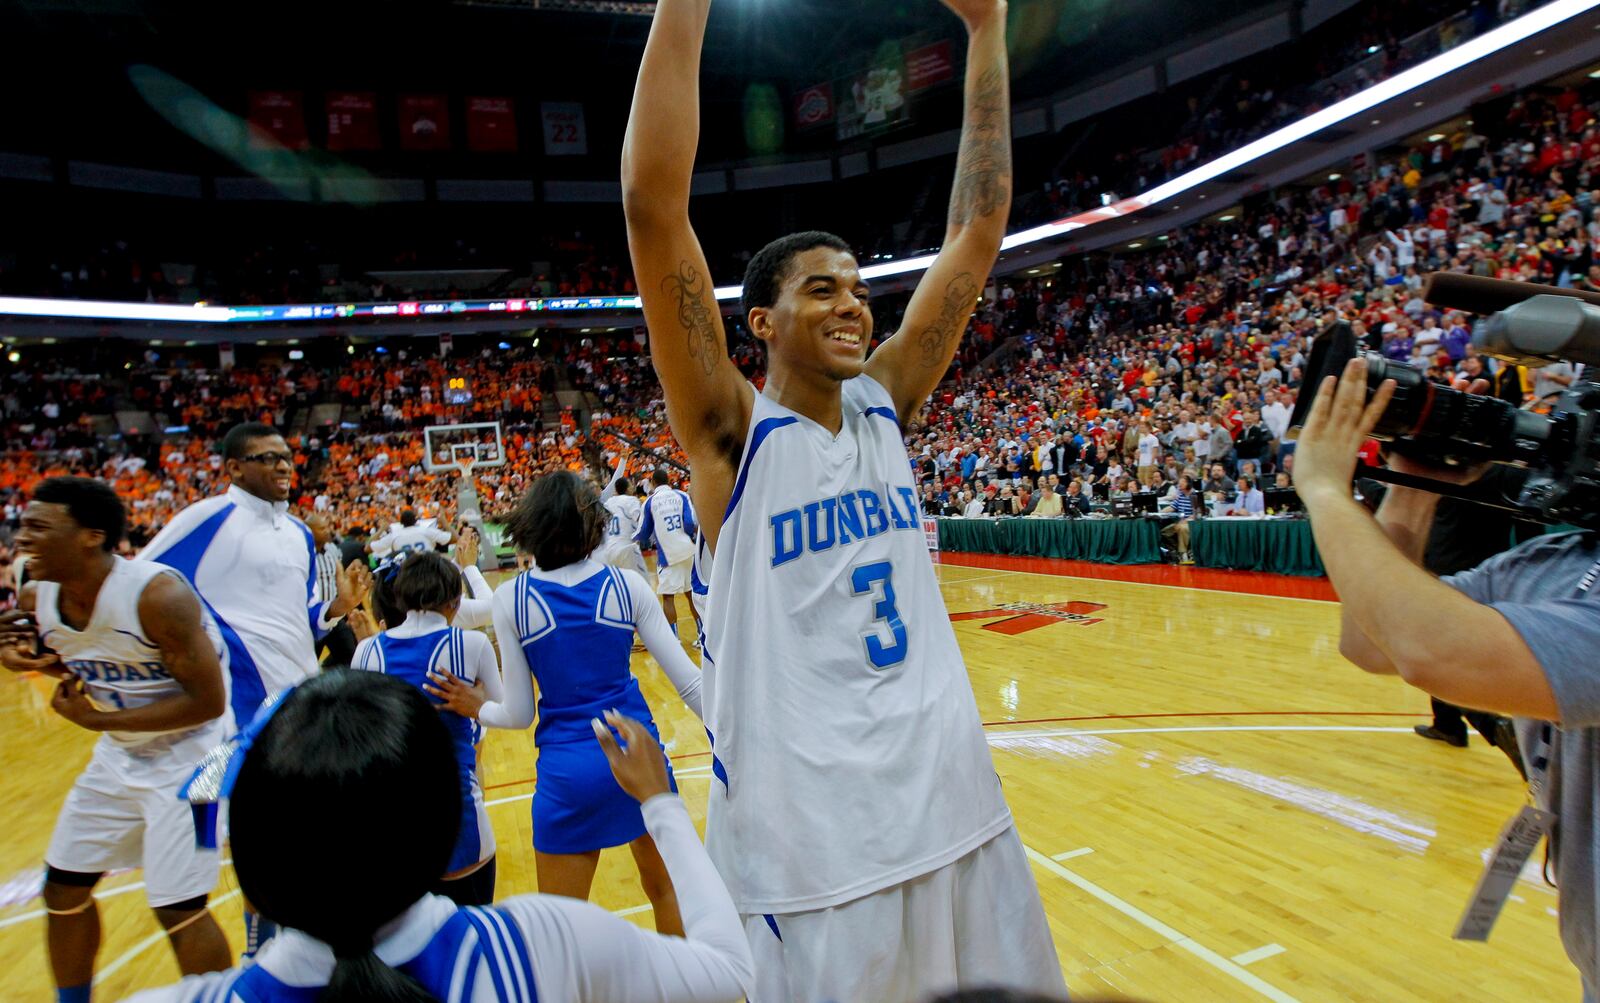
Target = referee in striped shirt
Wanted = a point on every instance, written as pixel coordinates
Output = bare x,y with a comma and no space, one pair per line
341,640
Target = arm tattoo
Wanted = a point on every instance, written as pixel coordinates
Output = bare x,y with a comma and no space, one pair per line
936,340
983,168
689,290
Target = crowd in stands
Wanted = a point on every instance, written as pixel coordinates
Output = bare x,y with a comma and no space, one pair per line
1207,116
1196,120
1176,371
1171,372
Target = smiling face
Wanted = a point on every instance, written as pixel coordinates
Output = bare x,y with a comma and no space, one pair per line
266,470
54,542
821,322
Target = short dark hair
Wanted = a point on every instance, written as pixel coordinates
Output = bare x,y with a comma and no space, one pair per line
766,270
366,755
408,518
427,581
559,520
236,443
659,476
91,503
624,486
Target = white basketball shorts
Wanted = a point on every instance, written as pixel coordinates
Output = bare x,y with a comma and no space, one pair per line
625,556
972,923
116,817
674,578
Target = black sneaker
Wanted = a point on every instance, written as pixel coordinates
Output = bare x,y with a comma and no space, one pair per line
1449,738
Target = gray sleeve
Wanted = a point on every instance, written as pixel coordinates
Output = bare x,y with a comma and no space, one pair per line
1563,635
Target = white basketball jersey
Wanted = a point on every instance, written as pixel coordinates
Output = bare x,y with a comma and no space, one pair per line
622,521
847,751
417,539
120,666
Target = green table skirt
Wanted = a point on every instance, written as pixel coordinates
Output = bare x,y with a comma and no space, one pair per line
1282,546
1107,541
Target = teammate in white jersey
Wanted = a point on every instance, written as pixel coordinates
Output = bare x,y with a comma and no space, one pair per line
624,513
140,662
668,524
253,565
411,536
856,814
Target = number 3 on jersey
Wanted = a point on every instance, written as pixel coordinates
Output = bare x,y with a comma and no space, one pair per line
876,580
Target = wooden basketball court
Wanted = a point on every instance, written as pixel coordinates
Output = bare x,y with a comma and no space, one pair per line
1218,807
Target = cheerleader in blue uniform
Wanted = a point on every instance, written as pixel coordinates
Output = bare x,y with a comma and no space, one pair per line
418,599
568,624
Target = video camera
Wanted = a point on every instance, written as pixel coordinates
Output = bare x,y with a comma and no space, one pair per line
1529,325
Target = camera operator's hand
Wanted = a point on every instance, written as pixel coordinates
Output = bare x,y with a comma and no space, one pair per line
1340,422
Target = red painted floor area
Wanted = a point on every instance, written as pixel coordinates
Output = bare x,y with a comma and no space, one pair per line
1257,583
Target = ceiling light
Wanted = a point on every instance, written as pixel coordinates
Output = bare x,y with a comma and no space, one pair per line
1335,176
1436,137
1594,74
1225,219
349,349
1033,271
1416,104
17,356
1135,246
1377,121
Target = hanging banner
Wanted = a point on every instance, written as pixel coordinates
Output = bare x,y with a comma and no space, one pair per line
929,66
491,125
225,359
277,119
564,131
813,106
876,101
352,120
424,122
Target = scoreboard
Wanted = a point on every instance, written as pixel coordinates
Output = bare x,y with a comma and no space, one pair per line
457,390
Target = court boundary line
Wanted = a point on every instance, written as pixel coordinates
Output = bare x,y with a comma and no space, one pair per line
1095,717
147,943
1156,926
1113,581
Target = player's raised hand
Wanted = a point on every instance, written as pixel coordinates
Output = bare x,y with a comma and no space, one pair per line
467,548
361,623
455,694
639,764
354,584
975,12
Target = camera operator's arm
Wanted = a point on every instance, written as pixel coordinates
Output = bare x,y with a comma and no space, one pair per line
1435,637
1406,518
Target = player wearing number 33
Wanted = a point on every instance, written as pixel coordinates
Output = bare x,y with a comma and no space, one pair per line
855,811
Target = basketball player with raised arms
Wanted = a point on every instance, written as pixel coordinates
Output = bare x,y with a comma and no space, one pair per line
855,814
624,513
140,662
